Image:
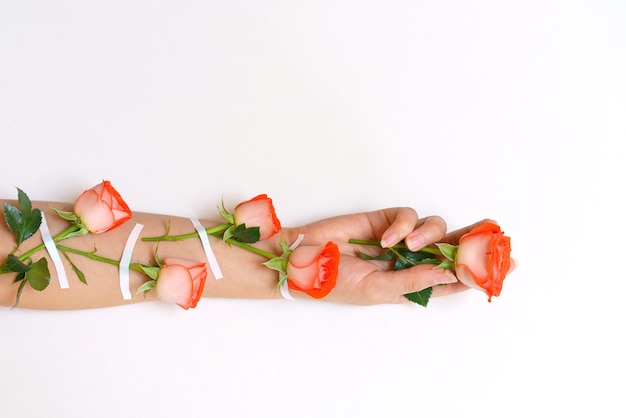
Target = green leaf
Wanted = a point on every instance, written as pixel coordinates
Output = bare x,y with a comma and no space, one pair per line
278,264
38,276
386,256
446,265
19,293
24,201
228,234
284,247
19,277
22,223
246,235
422,297
32,222
31,217
282,278
449,251
408,258
147,286
13,218
79,273
68,216
151,271
14,264
81,231
226,215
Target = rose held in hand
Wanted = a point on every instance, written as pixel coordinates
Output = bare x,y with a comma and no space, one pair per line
258,212
484,258
101,208
181,282
313,269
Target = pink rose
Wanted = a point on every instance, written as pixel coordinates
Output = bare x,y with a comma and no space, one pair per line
181,282
258,212
313,269
101,208
484,259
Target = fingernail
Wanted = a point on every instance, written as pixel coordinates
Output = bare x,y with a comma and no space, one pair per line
441,276
389,240
415,242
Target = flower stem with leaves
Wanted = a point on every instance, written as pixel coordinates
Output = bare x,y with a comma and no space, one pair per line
24,222
441,256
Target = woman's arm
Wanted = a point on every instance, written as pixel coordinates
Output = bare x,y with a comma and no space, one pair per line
359,281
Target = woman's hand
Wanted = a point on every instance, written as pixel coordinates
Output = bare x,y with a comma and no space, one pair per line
366,282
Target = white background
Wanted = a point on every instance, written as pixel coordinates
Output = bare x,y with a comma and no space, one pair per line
466,109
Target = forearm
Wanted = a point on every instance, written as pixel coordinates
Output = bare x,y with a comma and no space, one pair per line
244,274
325,264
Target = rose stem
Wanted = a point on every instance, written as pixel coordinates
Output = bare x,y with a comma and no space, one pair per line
95,257
57,238
401,245
210,231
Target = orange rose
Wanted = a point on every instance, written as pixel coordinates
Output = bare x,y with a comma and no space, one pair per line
484,258
258,212
101,208
313,269
181,282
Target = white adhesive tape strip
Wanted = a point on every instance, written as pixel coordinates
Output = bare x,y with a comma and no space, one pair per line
48,241
284,291
284,288
125,261
204,238
297,242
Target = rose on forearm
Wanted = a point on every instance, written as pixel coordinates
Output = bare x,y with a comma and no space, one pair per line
101,208
97,210
181,282
258,212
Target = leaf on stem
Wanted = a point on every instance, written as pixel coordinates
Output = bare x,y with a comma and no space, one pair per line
449,251
278,264
246,235
77,271
150,271
38,276
14,265
407,258
386,256
421,298
68,216
226,215
19,293
147,286
25,222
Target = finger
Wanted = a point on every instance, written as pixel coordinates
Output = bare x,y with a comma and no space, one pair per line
430,231
400,282
438,291
403,221
454,236
449,289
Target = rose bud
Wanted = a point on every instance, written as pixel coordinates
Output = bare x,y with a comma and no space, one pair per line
181,282
484,259
313,269
101,208
258,212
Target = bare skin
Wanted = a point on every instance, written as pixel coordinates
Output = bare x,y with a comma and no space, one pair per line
359,282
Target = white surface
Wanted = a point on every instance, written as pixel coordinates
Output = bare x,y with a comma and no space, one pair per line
508,110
